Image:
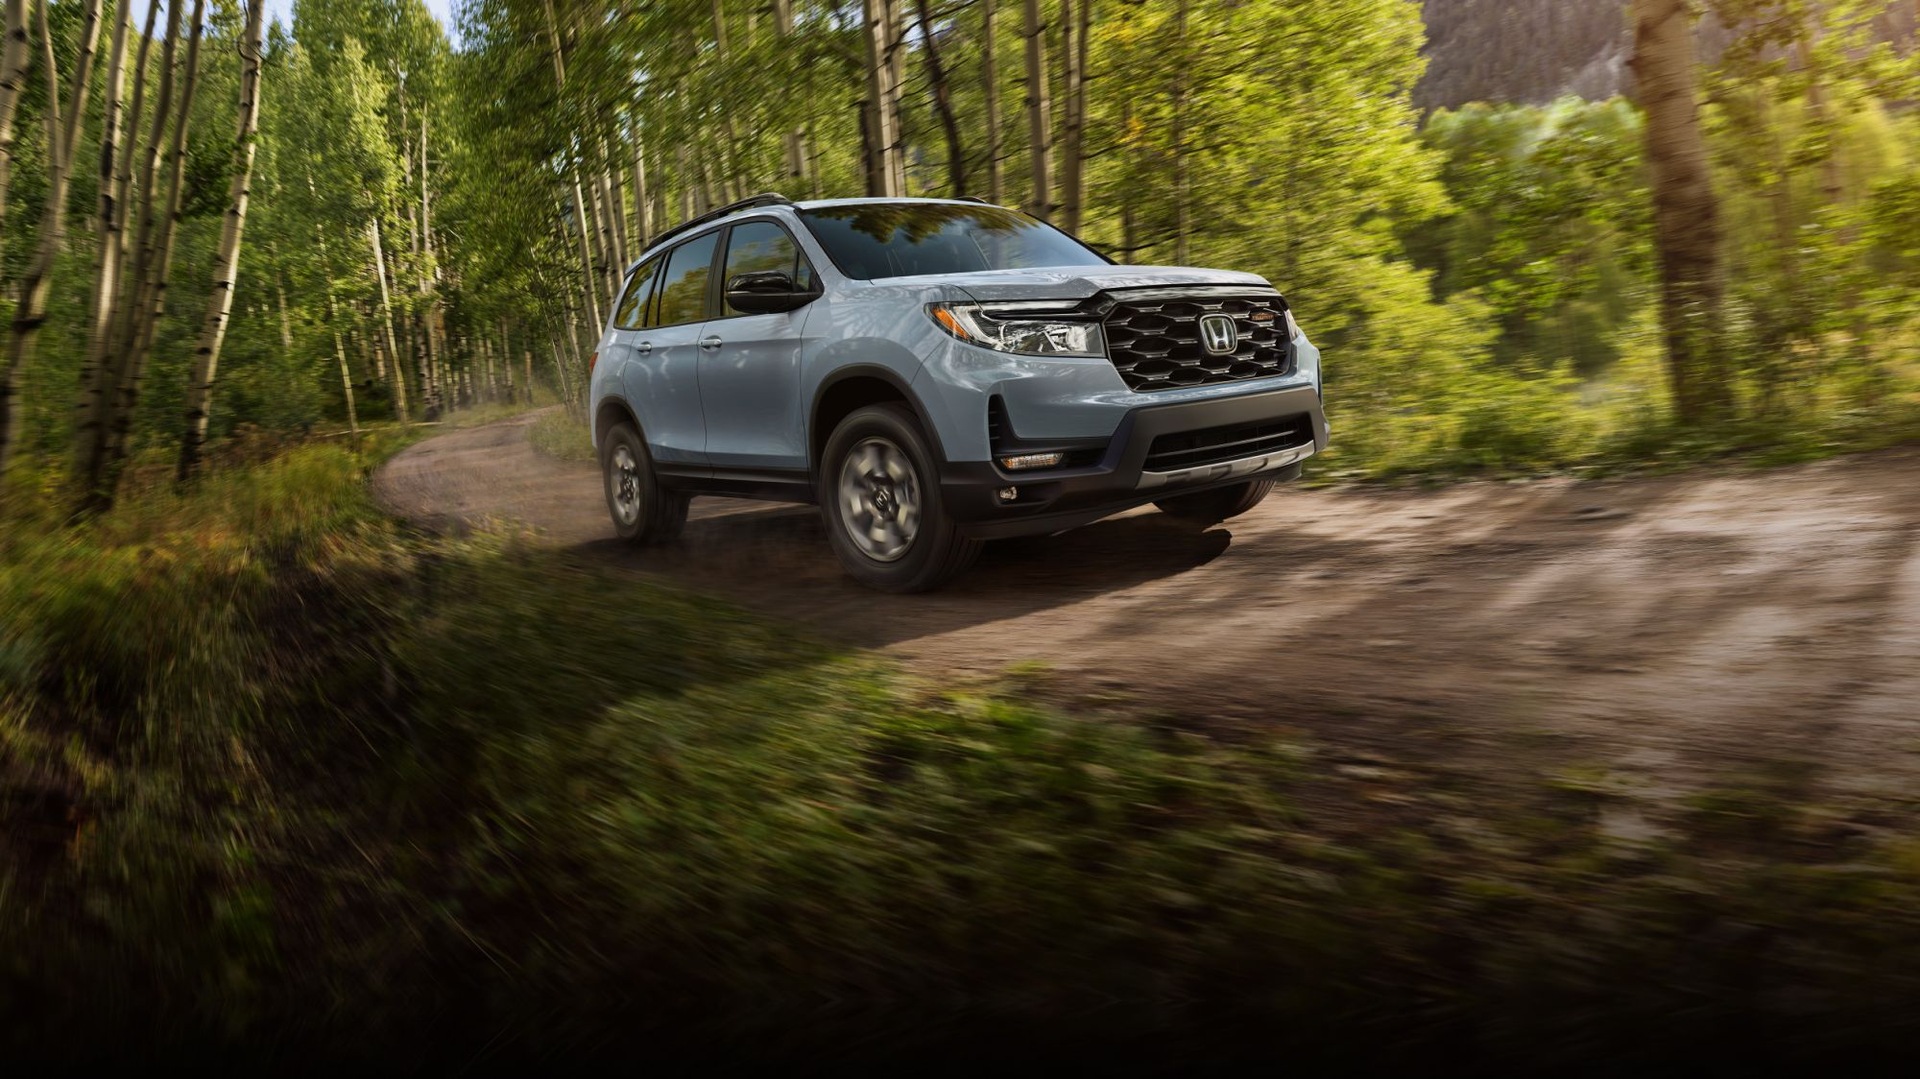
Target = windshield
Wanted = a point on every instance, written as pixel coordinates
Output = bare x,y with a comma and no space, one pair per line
901,239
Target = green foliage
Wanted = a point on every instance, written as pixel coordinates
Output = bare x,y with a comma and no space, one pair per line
1479,278
563,434
1550,226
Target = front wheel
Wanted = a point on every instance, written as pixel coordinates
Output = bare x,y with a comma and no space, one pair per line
1219,504
879,492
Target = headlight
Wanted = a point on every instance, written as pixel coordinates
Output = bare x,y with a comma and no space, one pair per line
1005,330
1293,328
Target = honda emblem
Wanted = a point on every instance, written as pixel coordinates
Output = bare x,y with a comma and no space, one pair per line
1218,334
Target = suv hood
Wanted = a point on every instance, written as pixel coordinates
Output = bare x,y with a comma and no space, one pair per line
1080,282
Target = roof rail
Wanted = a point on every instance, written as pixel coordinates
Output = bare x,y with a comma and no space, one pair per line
765,198
973,198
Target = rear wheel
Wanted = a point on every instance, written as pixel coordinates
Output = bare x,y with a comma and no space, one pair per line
1212,507
879,492
643,512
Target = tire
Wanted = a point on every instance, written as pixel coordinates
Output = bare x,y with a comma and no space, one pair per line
879,492
644,512
1219,504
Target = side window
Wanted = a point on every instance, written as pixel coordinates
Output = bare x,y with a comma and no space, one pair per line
631,315
755,246
683,288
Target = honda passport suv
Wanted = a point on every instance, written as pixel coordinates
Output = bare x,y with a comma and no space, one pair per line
936,373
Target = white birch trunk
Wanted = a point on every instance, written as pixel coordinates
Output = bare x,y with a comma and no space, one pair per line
63,138
213,329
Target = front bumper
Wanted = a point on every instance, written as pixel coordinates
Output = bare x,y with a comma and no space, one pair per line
1060,499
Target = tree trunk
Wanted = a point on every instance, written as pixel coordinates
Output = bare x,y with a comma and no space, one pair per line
610,264
793,139
1074,22
428,282
990,87
506,363
1182,176
147,317
346,381
1039,115
213,331
886,169
119,372
617,202
579,200
16,58
688,188
1686,213
1832,182
286,315
63,138
339,347
399,377
1126,201
642,207
943,104
662,205
710,195
117,146
560,367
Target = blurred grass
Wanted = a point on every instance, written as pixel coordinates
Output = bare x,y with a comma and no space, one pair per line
562,434
271,761
1494,422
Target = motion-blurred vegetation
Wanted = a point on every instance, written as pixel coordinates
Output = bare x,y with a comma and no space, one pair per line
277,769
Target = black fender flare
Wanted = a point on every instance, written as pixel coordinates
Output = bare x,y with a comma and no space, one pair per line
620,402
878,373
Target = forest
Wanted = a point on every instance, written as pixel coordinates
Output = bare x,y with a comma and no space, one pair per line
415,227
269,756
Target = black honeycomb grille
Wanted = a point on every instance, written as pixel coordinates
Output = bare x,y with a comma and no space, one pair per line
1155,341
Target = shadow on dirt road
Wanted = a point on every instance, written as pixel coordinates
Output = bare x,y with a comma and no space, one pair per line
1669,632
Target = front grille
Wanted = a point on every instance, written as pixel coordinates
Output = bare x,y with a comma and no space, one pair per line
1154,340
1193,449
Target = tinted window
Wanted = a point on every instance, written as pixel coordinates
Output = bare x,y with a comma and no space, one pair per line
631,313
683,289
899,239
755,246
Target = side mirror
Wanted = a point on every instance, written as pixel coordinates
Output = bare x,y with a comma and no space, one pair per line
765,292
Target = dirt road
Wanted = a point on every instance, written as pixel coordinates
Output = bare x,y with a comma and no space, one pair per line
1661,634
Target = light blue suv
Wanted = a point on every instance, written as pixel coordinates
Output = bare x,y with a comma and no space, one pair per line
936,373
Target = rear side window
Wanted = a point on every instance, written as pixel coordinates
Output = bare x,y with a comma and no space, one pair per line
631,314
757,246
683,287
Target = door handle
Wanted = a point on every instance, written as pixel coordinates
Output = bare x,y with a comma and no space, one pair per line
643,347
710,343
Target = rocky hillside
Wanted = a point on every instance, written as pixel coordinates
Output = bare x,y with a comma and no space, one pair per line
1537,50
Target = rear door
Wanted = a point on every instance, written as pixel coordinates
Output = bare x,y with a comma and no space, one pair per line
616,348
750,363
663,375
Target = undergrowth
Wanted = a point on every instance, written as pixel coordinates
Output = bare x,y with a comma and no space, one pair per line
277,768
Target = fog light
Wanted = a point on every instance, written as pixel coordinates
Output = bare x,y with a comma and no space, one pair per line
1032,460
1008,494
